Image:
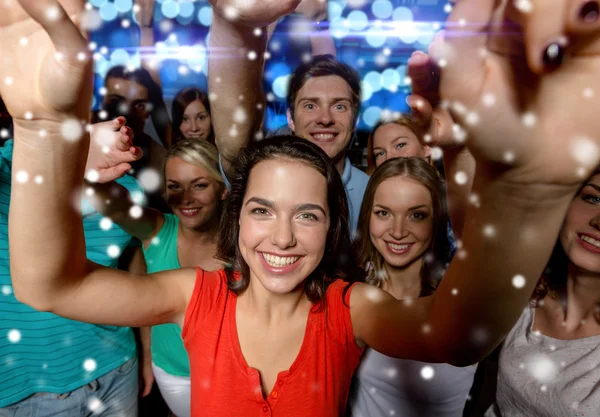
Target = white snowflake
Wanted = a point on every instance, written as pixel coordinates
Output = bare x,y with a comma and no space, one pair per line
113,251
542,368
14,336
89,365
150,179
518,281
71,130
427,372
461,178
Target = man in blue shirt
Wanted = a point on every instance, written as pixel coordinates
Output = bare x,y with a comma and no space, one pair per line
323,102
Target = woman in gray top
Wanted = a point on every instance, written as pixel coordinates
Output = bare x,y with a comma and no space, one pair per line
404,247
550,362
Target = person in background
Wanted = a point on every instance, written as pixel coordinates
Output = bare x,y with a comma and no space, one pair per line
405,250
549,363
185,239
394,138
58,367
191,116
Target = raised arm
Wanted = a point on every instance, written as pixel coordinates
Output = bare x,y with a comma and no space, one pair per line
238,40
49,101
435,123
523,199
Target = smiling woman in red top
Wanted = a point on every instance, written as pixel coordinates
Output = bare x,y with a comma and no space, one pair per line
283,334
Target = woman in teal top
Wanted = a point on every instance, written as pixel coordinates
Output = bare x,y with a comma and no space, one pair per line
195,192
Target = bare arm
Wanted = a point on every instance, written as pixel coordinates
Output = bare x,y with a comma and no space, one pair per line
436,123
523,199
231,75
113,201
235,80
49,269
476,303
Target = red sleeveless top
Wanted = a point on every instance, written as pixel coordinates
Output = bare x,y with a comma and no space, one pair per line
222,383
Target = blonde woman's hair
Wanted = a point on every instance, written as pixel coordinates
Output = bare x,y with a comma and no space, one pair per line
397,118
199,153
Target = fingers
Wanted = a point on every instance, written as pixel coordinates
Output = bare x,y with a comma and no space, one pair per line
421,70
543,24
460,55
583,24
52,17
421,111
112,173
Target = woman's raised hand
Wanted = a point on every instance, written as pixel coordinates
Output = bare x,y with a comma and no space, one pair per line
46,71
521,79
253,13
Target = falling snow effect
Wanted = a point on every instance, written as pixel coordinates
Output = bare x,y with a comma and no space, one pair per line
150,180
518,281
427,372
71,130
14,336
113,251
542,368
89,365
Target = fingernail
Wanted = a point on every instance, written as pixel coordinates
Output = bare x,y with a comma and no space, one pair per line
553,55
589,12
121,119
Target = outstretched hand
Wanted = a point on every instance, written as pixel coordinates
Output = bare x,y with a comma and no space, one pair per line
111,151
522,106
46,69
257,14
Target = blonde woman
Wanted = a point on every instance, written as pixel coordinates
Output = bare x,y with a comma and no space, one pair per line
187,238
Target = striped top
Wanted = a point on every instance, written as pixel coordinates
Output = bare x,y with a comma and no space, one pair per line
41,352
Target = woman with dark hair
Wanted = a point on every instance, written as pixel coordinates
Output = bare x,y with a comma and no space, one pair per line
191,116
195,192
404,248
549,364
281,332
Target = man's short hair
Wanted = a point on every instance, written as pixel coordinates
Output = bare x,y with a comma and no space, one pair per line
321,66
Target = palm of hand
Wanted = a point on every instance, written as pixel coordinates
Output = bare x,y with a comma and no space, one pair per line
543,125
33,82
254,13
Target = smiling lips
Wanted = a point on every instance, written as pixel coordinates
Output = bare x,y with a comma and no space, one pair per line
589,243
189,212
324,136
398,249
279,264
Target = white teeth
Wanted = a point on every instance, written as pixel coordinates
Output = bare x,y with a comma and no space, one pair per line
279,261
190,211
591,241
398,247
324,136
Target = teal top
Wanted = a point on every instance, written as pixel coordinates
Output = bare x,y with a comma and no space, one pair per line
42,352
168,352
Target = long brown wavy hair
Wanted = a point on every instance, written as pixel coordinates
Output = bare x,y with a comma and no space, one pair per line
437,256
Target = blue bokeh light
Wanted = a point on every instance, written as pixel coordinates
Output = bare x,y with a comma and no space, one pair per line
382,9
357,20
186,9
108,12
371,115
123,6
205,16
170,9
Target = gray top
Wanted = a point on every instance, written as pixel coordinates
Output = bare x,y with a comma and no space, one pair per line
385,386
542,376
